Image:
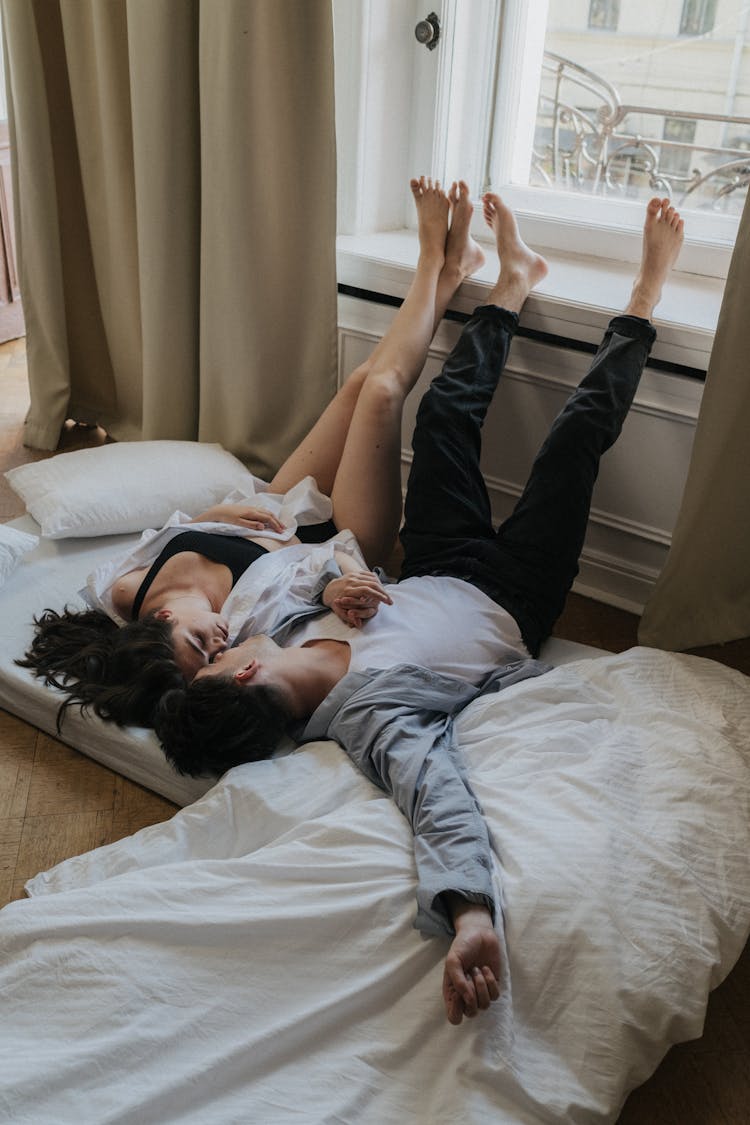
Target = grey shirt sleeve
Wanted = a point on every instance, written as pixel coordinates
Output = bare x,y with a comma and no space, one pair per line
410,752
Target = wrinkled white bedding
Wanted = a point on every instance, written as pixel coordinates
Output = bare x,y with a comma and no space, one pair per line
253,959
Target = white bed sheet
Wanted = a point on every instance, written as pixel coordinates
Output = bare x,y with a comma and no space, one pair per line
50,577
253,959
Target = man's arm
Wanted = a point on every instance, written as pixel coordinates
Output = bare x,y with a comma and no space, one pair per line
472,968
409,751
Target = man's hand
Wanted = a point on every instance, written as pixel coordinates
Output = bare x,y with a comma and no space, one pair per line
355,597
242,515
472,967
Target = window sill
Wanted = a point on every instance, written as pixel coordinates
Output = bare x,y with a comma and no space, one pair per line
575,301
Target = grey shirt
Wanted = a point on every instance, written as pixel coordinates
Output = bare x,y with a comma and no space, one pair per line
397,725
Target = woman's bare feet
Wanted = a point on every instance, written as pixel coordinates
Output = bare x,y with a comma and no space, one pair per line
462,253
432,217
663,233
521,268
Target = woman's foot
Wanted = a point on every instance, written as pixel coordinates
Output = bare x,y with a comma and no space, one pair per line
663,233
521,268
432,217
462,254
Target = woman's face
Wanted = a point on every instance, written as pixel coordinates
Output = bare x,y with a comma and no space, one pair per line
197,634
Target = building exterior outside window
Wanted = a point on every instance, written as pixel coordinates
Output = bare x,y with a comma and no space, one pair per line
698,17
604,14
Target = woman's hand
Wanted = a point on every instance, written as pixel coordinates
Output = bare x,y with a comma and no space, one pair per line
355,597
242,515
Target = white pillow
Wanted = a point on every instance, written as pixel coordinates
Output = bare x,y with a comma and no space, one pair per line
13,544
126,486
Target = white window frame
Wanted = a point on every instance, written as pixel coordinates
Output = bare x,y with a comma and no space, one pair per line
555,220
397,115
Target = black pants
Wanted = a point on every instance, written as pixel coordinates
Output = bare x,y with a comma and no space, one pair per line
528,565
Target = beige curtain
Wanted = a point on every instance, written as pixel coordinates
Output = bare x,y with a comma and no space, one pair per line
702,596
175,196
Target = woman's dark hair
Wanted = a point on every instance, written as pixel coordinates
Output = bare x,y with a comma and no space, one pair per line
120,672
215,723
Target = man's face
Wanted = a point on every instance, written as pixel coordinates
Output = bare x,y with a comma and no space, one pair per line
258,660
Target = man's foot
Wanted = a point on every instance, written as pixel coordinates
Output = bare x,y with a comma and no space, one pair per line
521,268
462,253
663,233
432,216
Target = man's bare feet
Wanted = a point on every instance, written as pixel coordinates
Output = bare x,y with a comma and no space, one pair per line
663,232
462,253
432,217
521,268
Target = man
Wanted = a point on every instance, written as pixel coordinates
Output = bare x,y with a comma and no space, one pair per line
468,614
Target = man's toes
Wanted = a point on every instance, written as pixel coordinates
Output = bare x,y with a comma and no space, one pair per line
653,208
463,189
415,188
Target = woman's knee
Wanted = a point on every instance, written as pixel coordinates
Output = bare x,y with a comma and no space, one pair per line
357,377
383,392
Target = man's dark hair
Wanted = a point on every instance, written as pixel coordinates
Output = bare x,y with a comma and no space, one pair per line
215,723
120,672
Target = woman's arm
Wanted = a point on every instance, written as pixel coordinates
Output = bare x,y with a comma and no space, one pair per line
242,515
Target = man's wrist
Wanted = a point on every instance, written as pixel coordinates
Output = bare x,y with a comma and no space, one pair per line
465,913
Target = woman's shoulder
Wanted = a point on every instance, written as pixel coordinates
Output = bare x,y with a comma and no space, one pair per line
124,589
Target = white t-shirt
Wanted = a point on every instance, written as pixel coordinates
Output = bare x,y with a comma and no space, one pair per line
444,624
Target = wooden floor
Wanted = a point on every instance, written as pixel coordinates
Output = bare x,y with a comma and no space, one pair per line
56,803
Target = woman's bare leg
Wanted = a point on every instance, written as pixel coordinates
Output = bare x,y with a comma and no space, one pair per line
321,451
463,256
367,490
318,455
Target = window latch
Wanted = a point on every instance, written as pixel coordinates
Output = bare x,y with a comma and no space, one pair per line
427,31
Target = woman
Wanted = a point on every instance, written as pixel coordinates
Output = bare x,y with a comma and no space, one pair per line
161,612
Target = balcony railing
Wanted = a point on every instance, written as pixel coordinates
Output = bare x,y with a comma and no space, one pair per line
587,140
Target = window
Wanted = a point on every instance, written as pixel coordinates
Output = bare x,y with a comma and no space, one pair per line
603,14
576,128
600,124
676,156
698,17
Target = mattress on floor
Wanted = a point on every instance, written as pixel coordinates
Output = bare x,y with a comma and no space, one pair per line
50,577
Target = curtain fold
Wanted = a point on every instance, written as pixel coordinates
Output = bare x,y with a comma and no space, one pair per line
702,596
175,197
